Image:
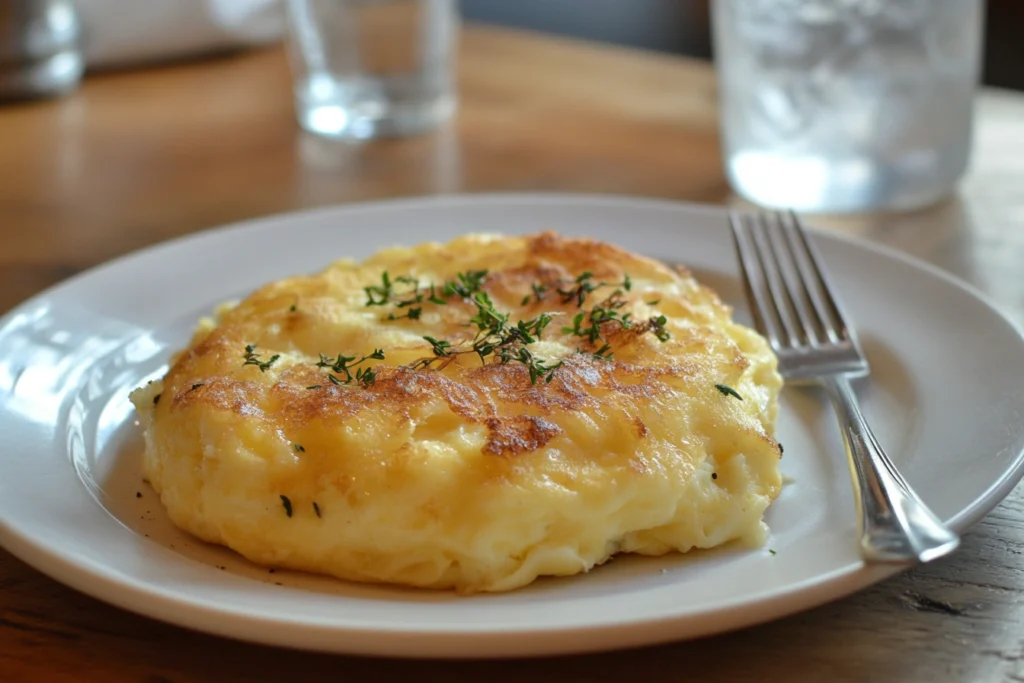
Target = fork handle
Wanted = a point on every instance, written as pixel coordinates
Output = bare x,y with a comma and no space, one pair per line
895,524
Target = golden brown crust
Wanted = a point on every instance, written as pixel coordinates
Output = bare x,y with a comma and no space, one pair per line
518,434
302,394
472,390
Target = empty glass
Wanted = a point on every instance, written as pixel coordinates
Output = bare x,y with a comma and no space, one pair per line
372,68
846,105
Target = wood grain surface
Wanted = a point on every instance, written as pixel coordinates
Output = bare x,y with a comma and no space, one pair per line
138,157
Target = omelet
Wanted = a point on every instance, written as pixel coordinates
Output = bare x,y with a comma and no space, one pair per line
470,416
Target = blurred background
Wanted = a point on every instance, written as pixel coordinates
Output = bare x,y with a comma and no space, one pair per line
682,27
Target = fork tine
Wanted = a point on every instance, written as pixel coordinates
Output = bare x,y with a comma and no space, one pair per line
753,278
792,278
781,303
812,272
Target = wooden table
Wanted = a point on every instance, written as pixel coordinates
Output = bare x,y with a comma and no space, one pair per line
139,157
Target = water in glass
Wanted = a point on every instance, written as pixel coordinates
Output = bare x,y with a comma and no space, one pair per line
372,68
846,105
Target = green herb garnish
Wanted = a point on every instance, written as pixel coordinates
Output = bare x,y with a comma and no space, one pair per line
344,365
608,311
379,295
591,325
411,314
578,329
253,358
298,447
728,391
411,295
316,508
465,284
440,347
494,331
366,376
539,290
657,326
417,296
287,505
584,284
537,367
434,298
496,336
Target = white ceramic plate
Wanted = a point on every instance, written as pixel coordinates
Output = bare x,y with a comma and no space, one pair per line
946,400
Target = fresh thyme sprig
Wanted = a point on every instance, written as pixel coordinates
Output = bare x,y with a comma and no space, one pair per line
608,311
253,358
539,291
494,330
344,365
440,347
417,296
657,326
443,352
465,284
405,292
497,337
584,285
385,293
434,298
379,295
413,313
537,367
592,333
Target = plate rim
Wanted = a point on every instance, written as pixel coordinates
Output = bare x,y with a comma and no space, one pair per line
443,643
156,602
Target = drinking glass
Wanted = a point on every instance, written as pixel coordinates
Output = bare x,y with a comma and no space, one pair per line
835,106
40,51
372,68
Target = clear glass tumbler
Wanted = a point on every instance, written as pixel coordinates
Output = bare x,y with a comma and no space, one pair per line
836,106
40,50
373,68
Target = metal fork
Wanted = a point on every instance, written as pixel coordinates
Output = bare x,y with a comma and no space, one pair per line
795,309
